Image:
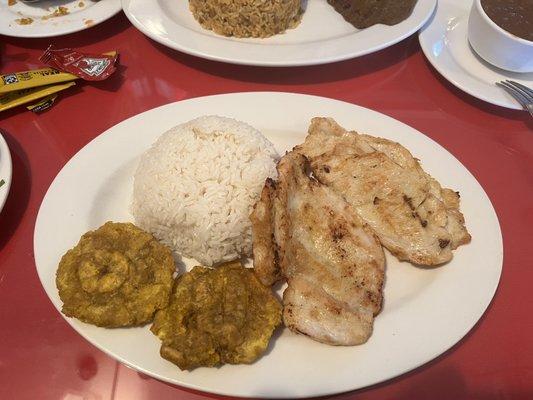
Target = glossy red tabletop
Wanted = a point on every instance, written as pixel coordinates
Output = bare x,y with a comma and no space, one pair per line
41,357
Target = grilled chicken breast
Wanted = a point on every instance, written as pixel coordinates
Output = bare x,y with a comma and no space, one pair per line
333,263
413,216
264,247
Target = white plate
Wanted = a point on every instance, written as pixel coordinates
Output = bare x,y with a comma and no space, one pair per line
5,171
426,311
323,36
82,15
444,41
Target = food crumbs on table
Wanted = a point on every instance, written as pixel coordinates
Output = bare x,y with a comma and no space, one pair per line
24,21
58,12
81,4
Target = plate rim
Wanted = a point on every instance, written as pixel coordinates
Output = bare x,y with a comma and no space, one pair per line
275,63
72,29
5,168
465,87
467,327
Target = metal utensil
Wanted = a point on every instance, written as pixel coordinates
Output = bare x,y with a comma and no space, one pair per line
521,93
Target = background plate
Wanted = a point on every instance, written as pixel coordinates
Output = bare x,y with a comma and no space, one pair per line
82,14
426,311
323,36
5,171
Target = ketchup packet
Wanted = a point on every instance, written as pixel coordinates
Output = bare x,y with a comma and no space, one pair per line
89,67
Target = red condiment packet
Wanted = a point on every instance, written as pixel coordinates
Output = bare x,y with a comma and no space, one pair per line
90,67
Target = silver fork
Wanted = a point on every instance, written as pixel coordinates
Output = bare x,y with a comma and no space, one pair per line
521,93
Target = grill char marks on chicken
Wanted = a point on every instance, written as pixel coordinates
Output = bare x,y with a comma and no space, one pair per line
333,263
413,216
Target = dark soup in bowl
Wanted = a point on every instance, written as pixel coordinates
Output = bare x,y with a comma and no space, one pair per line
515,16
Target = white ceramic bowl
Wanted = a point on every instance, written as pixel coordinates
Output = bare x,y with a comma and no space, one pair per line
497,46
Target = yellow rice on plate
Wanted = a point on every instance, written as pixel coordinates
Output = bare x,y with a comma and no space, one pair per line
247,18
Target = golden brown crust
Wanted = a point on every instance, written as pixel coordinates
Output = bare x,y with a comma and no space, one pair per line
265,251
217,316
116,276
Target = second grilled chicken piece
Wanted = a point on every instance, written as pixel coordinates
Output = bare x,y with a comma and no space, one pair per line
334,265
413,216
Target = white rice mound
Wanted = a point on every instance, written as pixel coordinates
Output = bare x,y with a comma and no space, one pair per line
195,188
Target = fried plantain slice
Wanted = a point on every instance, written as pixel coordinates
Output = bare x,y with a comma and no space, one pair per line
217,316
116,276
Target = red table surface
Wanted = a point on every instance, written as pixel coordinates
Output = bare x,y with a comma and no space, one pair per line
41,357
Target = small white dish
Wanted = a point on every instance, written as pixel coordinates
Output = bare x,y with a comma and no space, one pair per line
5,171
322,36
37,20
497,46
426,310
444,41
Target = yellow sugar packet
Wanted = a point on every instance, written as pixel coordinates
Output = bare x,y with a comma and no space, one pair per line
34,78
19,97
44,104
